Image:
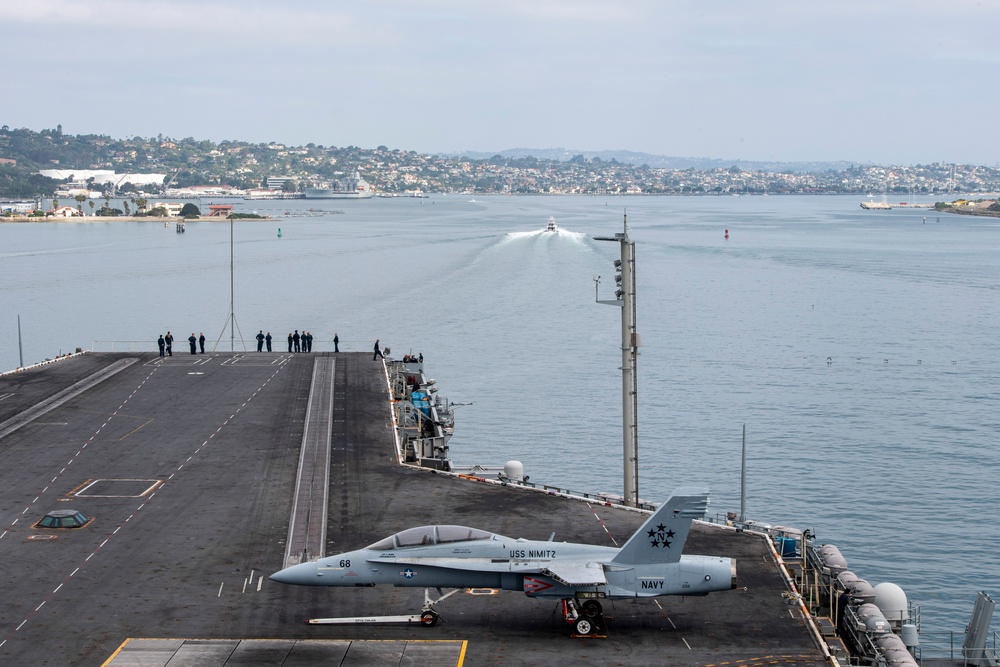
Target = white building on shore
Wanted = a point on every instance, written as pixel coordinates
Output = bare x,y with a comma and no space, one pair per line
80,177
64,212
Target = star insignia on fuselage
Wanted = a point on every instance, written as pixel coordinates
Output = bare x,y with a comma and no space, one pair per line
660,536
408,573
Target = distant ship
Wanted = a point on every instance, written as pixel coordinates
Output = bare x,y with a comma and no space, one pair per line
351,188
267,193
551,227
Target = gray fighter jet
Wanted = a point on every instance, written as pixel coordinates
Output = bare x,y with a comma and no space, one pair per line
439,557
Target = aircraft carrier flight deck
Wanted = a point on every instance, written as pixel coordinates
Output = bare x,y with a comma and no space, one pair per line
187,471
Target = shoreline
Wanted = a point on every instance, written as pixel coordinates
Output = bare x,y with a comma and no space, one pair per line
978,212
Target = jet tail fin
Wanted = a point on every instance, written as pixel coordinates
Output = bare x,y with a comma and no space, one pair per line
661,538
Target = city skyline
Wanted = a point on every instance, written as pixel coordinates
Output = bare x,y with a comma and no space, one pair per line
890,83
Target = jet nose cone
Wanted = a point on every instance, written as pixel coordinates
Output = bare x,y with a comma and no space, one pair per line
302,574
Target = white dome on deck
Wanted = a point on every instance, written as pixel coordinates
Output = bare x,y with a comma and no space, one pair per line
891,599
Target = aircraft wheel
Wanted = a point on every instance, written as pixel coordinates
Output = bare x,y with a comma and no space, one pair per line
584,626
429,618
591,608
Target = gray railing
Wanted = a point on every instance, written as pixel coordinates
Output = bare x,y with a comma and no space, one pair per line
948,645
491,473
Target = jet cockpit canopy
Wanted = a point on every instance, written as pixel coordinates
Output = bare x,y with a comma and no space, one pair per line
427,535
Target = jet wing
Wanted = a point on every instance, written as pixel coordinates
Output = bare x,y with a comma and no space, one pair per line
576,573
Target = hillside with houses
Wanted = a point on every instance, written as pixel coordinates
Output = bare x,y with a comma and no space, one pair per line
38,163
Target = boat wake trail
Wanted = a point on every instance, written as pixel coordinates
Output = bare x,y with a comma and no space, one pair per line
579,237
536,233
515,236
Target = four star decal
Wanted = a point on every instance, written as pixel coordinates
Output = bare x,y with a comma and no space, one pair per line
660,537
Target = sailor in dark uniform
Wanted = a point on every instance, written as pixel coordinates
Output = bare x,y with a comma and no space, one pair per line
378,352
161,344
268,339
336,343
289,342
295,339
170,344
194,343
201,342
260,340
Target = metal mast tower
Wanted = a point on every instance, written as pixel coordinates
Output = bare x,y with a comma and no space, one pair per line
625,299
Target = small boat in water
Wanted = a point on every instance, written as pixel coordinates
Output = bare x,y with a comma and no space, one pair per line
551,227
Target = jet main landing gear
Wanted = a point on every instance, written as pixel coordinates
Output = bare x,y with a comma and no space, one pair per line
587,617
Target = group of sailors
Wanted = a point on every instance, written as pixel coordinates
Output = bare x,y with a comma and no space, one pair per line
165,343
297,342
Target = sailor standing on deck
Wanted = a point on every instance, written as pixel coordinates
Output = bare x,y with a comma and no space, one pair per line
170,344
161,344
201,342
336,343
378,352
295,339
289,342
268,339
194,343
260,340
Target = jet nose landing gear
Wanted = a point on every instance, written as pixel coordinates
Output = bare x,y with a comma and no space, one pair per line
587,617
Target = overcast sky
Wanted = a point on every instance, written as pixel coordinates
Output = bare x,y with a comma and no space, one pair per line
885,81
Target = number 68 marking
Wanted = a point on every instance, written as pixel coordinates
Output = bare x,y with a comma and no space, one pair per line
345,563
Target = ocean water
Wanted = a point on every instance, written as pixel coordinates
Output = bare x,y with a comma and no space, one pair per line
858,347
